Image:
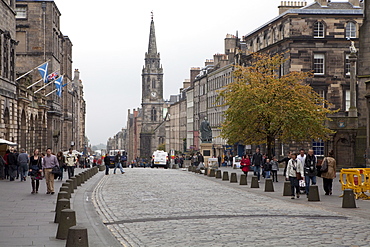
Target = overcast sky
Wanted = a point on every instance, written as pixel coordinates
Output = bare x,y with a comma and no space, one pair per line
110,41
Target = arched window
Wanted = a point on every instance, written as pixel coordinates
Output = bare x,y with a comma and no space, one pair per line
153,83
318,30
153,114
351,30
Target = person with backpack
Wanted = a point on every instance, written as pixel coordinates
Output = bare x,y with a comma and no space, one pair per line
267,167
257,162
330,173
310,170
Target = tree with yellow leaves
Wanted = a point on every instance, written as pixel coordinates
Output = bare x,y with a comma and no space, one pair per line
263,107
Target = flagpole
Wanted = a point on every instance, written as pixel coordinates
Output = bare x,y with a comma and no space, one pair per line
31,70
40,80
44,86
51,92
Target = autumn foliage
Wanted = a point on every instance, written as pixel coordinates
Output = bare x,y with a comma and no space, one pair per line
262,106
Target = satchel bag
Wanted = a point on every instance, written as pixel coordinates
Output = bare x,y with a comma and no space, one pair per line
324,167
55,170
299,177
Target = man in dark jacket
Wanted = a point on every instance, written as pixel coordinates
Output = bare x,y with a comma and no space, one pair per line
257,162
310,170
12,162
117,160
107,163
286,160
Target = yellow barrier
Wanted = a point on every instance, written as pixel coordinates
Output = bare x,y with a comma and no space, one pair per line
357,179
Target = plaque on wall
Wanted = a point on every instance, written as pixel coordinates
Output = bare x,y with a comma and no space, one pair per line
341,123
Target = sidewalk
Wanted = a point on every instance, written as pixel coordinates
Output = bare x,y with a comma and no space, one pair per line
334,202
28,219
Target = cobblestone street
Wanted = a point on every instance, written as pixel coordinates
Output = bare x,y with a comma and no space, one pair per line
157,207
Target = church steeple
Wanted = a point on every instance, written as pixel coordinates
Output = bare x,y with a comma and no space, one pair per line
152,48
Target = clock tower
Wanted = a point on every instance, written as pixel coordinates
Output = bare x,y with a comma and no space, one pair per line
152,131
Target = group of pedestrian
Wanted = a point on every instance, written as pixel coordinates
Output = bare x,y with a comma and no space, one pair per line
38,166
305,166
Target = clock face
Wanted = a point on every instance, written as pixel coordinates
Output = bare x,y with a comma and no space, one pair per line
153,94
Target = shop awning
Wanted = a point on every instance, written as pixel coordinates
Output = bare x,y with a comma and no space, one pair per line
3,141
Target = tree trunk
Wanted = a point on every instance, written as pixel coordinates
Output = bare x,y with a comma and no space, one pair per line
270,146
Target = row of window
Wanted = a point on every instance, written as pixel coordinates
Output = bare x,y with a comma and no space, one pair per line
319,64
319,30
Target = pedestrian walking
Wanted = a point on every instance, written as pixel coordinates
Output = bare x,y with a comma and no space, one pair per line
245,163
310,170
286,160
106,163
35,171
13,167
50,161
274,169
71,161
117,160
293,174
23,161
219,160
267,166
62,164
257,162
302,156
330,174
6,166
2,168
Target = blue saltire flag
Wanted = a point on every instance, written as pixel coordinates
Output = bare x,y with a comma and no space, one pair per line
43,69
58,85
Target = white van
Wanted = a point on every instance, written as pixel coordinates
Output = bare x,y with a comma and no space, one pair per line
160,159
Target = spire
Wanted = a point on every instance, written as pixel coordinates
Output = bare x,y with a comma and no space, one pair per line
152,48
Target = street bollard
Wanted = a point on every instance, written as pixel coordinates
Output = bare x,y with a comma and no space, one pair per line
233,178
175,166
313,195
67,219
69,187
255,183
102,168
212,173
197,171
193,168
61,204
243,179
77,237
83,177
225,176
62,195
287,190
74,179
269,186
348,199
66,189
189,168
206,171
78,178
218,173
72,186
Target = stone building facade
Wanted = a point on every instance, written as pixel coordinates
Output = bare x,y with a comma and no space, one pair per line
8,87
152,129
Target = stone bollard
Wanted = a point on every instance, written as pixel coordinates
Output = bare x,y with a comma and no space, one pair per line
69,187
175,166
206,171
225,176
62,195
71,184
212,173
269,186
197,171
243,179
77,237
287,189
61,204
102,168
83,177
193,168
255,183
218,173
74,179
313,195
233,178
67,219
66,189
189,168
348,199
78,178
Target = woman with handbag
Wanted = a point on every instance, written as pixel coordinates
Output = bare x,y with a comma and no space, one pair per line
35,171
328,172
62,165
245,164
294,173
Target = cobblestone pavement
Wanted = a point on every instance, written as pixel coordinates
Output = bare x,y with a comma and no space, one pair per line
158,207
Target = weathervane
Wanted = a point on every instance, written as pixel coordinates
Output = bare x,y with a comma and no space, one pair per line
152,14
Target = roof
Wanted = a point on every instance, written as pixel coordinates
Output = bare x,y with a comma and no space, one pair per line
3,141
333,8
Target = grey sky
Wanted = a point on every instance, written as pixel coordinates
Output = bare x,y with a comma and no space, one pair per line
110,40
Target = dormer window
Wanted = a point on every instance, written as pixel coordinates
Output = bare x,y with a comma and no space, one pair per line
351,30
318,30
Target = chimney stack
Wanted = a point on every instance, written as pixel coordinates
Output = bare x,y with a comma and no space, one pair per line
355,3
323,3
287,5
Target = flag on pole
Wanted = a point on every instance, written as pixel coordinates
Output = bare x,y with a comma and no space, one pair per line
58,85
52,76
43,69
